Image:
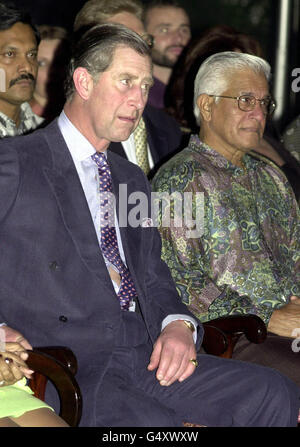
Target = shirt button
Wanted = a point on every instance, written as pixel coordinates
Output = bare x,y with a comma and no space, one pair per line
63,319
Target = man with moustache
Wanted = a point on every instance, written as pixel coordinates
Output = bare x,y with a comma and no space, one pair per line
169,24
18,69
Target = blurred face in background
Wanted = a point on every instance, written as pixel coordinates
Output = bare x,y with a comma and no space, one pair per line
170,27
46,70
132,22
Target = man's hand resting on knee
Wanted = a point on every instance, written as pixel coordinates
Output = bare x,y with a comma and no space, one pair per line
172,354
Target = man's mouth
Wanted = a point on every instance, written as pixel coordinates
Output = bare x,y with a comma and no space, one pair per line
175,50
127,119
251,130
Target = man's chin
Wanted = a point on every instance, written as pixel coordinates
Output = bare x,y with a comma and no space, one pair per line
250,144
23,98
121,137
22,93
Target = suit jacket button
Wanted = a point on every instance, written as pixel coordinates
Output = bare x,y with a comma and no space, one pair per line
53,265
63,319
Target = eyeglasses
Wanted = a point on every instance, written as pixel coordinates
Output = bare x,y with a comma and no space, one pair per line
247,103
149,39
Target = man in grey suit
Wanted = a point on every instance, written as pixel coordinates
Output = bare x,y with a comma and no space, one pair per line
68,277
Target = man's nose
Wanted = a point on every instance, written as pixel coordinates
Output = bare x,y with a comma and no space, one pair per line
24,64
178,36
258,112
137,97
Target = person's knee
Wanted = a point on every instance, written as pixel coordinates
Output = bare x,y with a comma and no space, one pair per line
282,395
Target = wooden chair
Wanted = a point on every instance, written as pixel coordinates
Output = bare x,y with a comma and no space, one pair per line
58,365
221,335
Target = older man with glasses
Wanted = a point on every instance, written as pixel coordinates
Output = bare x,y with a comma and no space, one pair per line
246,260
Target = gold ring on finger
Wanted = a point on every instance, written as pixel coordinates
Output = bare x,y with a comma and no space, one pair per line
194,362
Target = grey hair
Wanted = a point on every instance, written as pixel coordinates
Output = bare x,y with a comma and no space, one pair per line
213,75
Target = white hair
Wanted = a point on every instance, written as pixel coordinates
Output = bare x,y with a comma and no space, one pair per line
213,75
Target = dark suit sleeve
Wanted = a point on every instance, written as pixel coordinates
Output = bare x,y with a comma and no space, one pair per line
9,180
9,177
164,134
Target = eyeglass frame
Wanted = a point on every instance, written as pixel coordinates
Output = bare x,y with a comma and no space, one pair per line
249,96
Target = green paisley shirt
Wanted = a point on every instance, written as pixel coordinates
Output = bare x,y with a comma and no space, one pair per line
247,257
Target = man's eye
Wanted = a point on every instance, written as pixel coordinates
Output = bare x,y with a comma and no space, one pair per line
185,30
265,101
247,99
163,30
9,54
42,63
146,88
32,54
125,81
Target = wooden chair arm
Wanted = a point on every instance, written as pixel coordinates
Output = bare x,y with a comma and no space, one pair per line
221,334
56,364
62,354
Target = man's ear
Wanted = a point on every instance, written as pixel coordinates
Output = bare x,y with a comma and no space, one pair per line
83,82
205,103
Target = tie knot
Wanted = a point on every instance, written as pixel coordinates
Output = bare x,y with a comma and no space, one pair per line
100,159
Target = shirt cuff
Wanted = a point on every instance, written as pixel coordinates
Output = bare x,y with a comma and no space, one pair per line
174,317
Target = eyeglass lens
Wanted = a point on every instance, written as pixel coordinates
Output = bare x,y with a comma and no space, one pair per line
247,103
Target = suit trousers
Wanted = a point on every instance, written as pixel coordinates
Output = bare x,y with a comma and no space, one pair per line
219,393
280,353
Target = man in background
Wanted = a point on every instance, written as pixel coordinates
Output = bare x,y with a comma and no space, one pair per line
18,70
169,24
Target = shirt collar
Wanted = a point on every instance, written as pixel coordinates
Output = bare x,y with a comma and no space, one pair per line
28,119
79,147
218,159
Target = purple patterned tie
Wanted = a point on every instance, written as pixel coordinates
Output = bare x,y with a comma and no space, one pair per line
109,242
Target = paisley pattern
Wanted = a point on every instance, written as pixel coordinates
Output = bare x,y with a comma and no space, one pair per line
248,258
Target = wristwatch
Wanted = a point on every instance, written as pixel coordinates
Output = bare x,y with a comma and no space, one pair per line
189,324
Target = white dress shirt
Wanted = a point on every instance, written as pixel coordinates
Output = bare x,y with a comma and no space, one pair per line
129,149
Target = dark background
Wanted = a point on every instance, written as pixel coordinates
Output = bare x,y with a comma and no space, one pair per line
256,17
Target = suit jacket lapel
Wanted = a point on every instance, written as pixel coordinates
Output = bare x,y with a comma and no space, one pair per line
157,139
117,148
66,186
